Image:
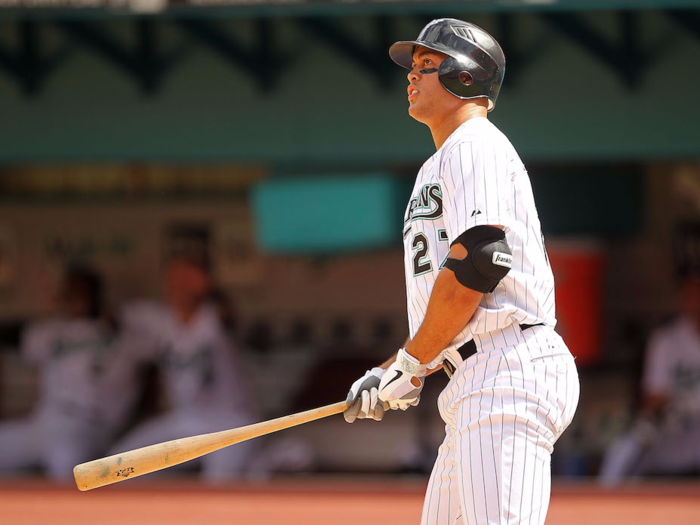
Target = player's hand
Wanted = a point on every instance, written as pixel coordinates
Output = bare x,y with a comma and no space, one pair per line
364,398
402,382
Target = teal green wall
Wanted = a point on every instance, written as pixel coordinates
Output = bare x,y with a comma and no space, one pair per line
327,110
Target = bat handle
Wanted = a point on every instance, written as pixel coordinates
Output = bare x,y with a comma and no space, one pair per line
328,410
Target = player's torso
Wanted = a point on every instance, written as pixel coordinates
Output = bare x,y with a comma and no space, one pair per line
526,295
425,241
75,355
194,360
684,361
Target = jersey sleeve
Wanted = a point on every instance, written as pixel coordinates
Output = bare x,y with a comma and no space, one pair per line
139,323
657,367
475,187
36,342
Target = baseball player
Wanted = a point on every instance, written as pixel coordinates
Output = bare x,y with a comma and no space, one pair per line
81,365
480,296
189,344
665,439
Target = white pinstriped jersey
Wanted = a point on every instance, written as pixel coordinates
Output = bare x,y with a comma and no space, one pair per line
477,178
79,362
672,365
197,359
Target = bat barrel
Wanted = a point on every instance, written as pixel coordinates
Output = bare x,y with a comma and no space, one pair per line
134,463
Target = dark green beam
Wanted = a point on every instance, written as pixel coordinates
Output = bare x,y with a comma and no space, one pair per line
372,57
262,62
143,62
338,8
625,59
28,64
689,20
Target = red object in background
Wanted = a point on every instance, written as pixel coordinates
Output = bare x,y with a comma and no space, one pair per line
578,277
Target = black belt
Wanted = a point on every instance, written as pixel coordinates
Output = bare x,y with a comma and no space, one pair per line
468,349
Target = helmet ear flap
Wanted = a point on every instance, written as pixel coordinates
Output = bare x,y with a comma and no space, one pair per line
455,78
465,78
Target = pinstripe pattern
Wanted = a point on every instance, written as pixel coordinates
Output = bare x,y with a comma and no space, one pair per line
504,407
477,179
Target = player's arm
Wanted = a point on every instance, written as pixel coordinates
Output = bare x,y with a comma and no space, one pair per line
479,259
450,307
37,342
386,364
658,375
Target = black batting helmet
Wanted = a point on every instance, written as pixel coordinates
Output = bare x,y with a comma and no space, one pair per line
469,49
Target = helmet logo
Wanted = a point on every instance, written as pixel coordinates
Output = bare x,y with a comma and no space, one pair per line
464,32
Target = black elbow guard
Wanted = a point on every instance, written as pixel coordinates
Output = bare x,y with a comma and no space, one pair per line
488,258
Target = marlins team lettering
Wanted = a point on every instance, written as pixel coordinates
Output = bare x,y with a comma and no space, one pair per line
426,205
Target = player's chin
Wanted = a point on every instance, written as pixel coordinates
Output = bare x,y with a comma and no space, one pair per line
414,110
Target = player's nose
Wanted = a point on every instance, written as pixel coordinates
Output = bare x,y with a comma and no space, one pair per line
413,75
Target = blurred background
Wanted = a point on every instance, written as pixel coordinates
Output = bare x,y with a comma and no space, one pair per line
200,213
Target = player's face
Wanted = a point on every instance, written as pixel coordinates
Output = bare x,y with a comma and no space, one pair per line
690,298
73,299
186,283
429,102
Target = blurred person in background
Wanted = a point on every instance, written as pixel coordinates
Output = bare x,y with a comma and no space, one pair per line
87,381
665,438
187,340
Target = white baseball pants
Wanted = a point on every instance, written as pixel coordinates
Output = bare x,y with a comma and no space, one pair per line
504,409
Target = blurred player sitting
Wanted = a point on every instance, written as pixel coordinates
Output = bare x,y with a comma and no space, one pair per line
79,363
666,437
189,344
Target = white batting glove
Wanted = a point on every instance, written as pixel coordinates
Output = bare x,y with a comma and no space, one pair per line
396,387
364,396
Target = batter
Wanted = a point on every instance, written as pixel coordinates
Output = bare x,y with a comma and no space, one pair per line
480,296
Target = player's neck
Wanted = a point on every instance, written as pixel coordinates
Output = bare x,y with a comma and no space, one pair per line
442,129
695,322
186,312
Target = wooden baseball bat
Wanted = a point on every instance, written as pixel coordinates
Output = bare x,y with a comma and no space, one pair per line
134,463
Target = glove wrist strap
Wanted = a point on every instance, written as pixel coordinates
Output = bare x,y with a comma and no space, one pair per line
409,364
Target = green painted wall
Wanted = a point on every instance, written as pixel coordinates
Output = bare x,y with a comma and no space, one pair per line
328,111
